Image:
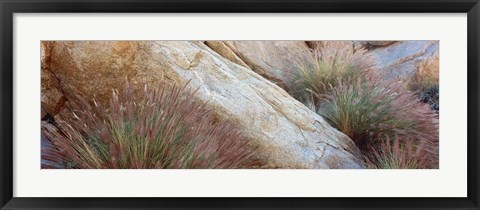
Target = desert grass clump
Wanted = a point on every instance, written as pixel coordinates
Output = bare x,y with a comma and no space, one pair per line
368,110
322,70
398,154
363,110
149,128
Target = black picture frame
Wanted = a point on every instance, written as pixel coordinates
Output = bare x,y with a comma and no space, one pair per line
9,7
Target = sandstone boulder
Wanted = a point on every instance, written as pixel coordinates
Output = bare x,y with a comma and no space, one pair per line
222,49
288,134
274,60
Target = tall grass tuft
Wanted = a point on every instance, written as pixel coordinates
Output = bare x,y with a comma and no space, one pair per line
398,154
362,110
368,110
323,69
149,128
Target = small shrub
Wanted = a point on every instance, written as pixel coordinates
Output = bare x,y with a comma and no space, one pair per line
431,96
398,154
161,128
427,75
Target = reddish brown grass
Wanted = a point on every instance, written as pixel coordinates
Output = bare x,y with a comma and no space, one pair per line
367,110
398,154
149,128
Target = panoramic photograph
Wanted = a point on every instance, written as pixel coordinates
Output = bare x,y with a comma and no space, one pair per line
234,104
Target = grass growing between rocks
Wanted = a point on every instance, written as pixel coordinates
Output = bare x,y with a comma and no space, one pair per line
321,71
151,128
352,96
363,111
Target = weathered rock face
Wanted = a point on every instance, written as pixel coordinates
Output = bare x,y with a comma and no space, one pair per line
221,48
52,97
331,45
403,59
274,60
288,134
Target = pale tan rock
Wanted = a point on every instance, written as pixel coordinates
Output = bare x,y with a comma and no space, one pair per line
222,49
288,134
274,60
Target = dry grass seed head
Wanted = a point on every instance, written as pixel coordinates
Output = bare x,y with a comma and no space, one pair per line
397,154
322,69
150,128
